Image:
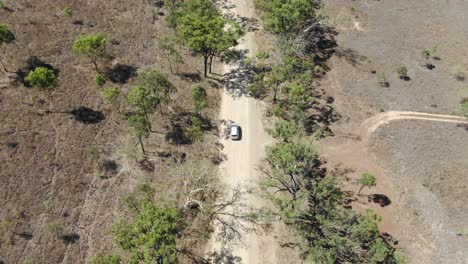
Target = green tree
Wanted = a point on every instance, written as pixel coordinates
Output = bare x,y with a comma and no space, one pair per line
366,180
159,85
286,16
199,97
92,47
6,37
140,127
284,131
45,80
205,31
144,101
106,258
154,91
151,237
168,46
289,163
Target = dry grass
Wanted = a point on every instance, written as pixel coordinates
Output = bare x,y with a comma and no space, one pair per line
48,174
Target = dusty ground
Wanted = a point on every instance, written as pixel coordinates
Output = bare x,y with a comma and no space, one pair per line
421,164
47,175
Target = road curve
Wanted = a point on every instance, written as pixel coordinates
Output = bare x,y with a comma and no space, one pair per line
371,124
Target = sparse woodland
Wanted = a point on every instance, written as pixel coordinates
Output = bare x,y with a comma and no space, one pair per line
153,125
306,197
117,149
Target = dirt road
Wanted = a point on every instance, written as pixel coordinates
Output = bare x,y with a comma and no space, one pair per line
374,122
243,156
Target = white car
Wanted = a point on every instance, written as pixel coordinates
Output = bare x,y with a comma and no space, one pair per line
235,131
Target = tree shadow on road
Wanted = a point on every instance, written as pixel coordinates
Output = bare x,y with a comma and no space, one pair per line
237,80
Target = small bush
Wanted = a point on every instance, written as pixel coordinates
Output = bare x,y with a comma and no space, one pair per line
68,11
263,55
195,132
111,94
430,52
99,79
426,53
402,72
105,258
248,62
382,79
464,106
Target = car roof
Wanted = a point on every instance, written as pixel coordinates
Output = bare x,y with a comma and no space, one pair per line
234,129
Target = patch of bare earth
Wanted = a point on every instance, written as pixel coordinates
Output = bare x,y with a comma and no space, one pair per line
421,164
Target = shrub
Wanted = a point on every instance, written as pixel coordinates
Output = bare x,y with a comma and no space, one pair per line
464,106
429,52
68,11
92,47
382,79
195,132
263,55
366,180
6,36
199,97
111,94
105,258
42,78
402,72
99,80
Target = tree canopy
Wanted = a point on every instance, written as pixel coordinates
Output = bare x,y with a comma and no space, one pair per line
289,164
142,98
105,258
286,16
366,180
203,29
151,237
92,47
42,78
159,85
155,90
